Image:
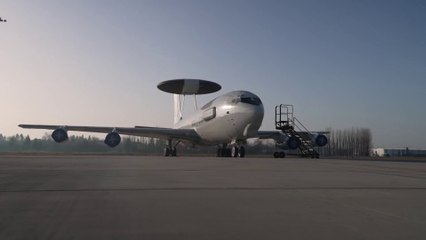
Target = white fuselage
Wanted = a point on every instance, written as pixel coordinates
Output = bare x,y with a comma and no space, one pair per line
230,118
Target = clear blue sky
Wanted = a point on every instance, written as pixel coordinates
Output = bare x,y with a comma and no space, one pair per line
341,63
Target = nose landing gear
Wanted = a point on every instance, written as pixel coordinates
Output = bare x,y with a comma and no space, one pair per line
238,151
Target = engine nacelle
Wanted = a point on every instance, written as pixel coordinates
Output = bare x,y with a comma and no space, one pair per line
320,140
288,142
60,135
293,142
112,139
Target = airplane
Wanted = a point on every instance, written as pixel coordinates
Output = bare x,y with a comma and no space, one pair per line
226,121
3,20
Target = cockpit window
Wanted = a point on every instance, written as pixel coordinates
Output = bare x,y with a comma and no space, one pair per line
236,100
251,100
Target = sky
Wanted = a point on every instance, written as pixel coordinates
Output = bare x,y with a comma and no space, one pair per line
342,64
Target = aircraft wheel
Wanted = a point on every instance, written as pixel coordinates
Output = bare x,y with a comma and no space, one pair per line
227,152
235,151
224,152
282,154
166,152
173,152
242,152
276,154
219,152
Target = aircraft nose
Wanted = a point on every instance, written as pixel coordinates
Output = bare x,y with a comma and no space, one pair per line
253,120
256,112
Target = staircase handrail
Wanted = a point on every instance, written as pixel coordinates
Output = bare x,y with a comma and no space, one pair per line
302,127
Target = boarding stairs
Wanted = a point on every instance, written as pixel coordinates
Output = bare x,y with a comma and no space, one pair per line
292,127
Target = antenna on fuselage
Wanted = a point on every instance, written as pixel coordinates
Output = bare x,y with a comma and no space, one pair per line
182,87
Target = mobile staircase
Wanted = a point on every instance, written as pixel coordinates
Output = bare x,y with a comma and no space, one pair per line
292,127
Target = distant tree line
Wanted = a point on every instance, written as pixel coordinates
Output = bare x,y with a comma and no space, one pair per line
354,142
348,142
21,143
128,145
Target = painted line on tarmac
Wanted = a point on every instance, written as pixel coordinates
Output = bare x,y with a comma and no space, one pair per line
217,189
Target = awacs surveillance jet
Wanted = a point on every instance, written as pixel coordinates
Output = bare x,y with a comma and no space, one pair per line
226,121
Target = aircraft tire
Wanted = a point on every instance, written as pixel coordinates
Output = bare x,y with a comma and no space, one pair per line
166,152
276,154
242,152
282,154
224,152
219,152
227,152
235,151
173,152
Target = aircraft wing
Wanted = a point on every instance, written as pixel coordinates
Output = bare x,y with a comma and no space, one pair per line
294,141
141,131
276,135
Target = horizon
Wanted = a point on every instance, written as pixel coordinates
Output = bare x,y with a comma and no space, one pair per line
342,64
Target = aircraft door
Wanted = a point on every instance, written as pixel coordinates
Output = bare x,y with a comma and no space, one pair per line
209,114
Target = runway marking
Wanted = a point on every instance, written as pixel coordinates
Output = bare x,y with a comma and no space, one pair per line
219,189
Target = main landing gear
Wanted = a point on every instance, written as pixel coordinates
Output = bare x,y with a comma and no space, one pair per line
231,152
170,150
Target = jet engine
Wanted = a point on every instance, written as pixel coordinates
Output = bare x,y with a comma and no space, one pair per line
59,135
112,139
320,140
289,143
293,142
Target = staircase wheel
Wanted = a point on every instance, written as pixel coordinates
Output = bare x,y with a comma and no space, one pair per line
276,154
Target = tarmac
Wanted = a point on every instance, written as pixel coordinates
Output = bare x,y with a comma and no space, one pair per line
140,197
